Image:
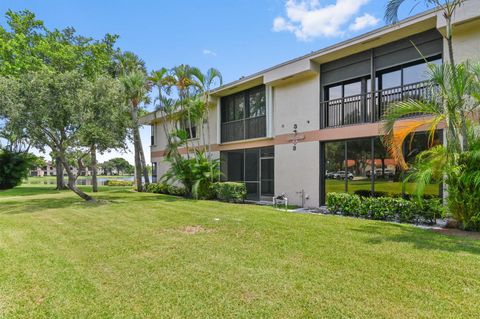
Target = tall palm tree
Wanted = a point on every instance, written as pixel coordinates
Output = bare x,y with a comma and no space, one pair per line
136,91
205,82
162,80
182,78
448,8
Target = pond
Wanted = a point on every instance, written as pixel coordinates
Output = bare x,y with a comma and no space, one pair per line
80,181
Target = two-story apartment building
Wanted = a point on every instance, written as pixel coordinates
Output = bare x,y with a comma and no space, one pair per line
312,125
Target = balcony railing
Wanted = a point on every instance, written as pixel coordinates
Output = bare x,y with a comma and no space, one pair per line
244,129
359,108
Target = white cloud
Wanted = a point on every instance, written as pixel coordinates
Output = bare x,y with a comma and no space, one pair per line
363,22
307,19
209,52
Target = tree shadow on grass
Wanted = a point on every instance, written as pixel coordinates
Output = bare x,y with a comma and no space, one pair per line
22,206
28,191
420,238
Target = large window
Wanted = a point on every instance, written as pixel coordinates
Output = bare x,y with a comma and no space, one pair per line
360,166
352,101
254,167
243,115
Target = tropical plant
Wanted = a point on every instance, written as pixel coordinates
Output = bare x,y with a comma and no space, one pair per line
454,90
196,174
205,82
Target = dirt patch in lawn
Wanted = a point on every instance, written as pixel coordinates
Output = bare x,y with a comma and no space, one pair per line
192,230
457,232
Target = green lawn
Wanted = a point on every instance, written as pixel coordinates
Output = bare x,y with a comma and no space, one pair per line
155,256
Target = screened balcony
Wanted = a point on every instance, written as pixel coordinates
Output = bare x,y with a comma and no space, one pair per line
243,115
357,109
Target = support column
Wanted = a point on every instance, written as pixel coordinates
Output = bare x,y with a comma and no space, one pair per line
269,110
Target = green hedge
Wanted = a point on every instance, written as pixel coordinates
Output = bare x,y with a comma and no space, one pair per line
163,188
385,208
116,182
230,191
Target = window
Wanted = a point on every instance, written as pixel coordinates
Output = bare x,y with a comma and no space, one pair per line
152,134
191,132
345,102
406,74
256,105
154,172
243,115
350,164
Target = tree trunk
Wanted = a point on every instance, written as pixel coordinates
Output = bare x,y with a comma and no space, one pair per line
144,164
136,150
93,154
72,181
59,172
463,122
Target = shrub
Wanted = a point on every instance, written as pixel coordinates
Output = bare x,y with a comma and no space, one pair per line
367,193
386,208
379,208
431,209
230,191
164,188
157,188
344,203
116,182
14,167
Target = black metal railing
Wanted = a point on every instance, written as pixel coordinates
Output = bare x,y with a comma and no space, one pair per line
244,129
359,108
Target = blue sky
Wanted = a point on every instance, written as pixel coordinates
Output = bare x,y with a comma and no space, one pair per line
237,37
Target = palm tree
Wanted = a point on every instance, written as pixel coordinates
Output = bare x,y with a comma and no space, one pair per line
162,80
448,8
127,62
451,88
136,89
182,78
206,81
455,90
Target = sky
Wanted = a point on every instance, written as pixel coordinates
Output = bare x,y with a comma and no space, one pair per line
237,37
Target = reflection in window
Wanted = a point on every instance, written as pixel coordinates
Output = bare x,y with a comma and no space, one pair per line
388,178
353,171
334,166
412,147
359,157
257,103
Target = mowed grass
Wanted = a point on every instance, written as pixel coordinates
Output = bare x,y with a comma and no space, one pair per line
155,256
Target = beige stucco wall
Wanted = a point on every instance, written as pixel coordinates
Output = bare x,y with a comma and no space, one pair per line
297,103
466,42
297,170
